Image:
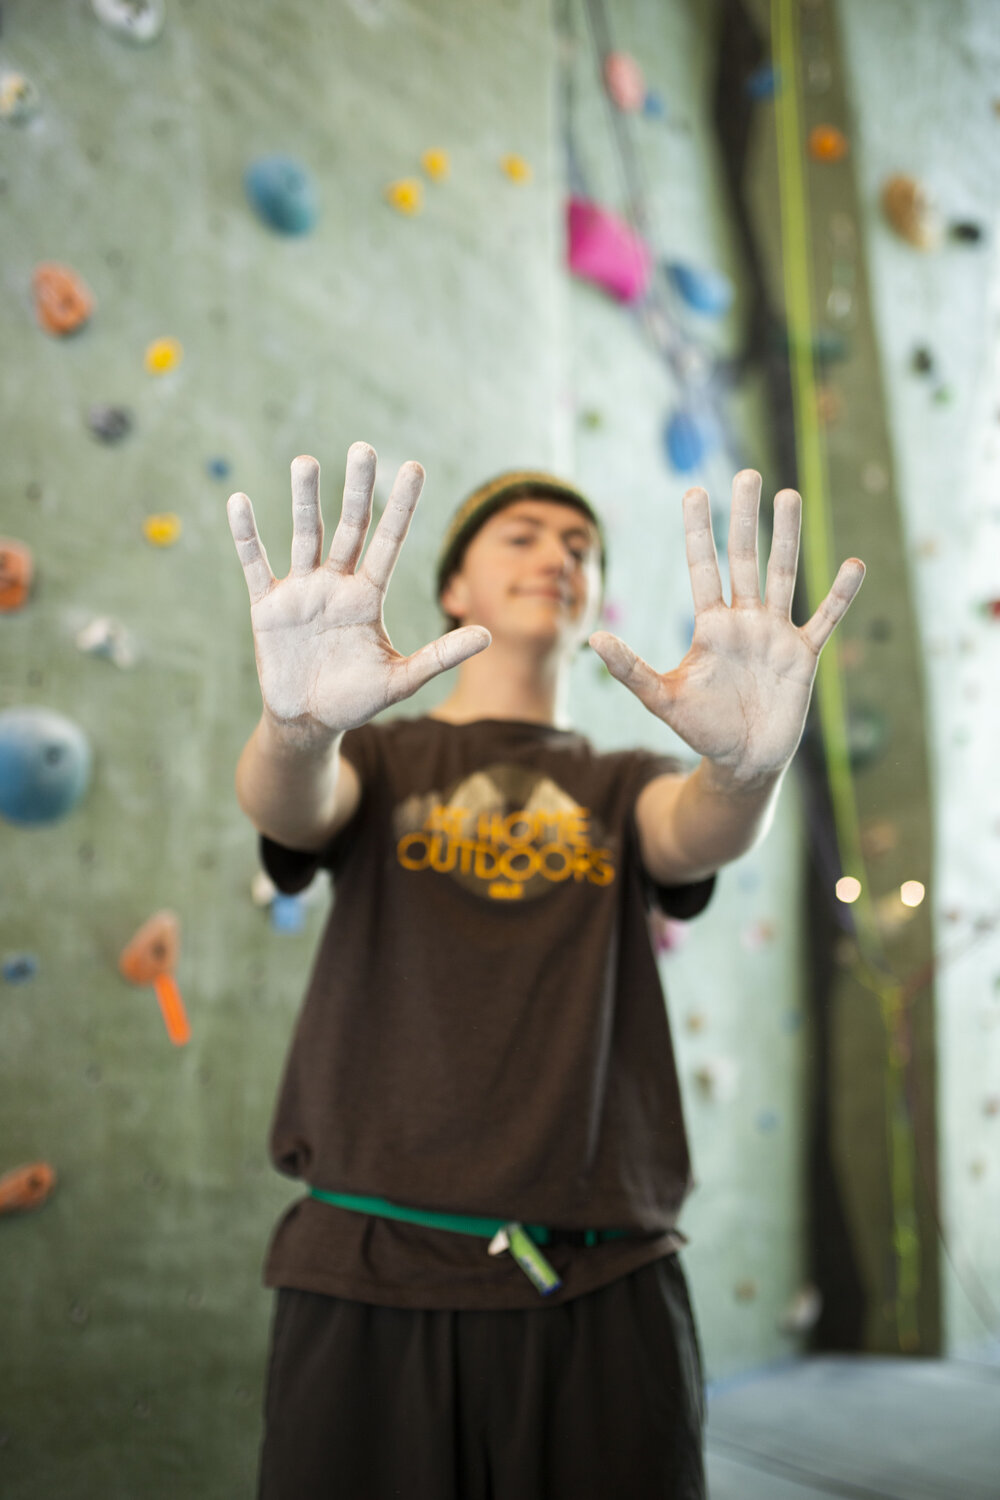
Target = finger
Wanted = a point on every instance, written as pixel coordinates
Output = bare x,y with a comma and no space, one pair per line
439,656
383,550
307,521
356,511
629,668
784,558
744,570
819,629
703,564
256,569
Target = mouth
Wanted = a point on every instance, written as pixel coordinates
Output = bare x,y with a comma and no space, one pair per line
556,595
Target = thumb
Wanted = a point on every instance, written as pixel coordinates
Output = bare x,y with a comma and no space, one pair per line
440,656
629,668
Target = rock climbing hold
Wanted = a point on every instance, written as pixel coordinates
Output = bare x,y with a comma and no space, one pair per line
966,232
802,1311
16,570
262,889
45,763
708,292
516,168
151,958
436,164
63,301
908,209
406,195
162,530
603,249
653,106
761,83
827,143
687,440
19,968
218,468
139,21
163,355
624,82
110,423
282,193
288,913
19,99
922,361
26,1187
105,637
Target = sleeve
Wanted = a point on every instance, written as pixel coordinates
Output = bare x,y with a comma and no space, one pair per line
680,901
292,870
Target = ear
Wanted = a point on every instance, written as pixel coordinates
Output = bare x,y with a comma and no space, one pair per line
454,597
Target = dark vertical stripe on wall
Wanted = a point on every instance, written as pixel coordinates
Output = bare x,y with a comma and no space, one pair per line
862,1193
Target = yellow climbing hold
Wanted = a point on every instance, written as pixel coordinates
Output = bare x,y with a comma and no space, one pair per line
163,355
516,168
162,530
436,164
406,195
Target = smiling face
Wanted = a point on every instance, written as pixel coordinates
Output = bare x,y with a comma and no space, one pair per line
530,573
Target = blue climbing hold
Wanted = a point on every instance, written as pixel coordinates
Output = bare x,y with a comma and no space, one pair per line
653,106
762,82
282,193
45,765
685,448
689,437
18,968
218,468
708,292
288,914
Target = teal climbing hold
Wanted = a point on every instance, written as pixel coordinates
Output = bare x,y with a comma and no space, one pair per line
282,193
45,765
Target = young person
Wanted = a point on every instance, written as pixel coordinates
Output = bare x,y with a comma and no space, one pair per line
481,1295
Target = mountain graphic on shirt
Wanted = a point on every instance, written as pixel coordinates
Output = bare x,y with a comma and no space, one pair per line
507,833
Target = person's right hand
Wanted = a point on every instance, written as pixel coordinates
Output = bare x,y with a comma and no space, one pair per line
324,659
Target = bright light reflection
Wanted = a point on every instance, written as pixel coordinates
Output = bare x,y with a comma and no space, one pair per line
848,889
911,893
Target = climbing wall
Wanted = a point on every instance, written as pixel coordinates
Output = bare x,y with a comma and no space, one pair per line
134,1326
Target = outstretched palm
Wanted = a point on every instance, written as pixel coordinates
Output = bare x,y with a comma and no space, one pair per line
324,658
741,693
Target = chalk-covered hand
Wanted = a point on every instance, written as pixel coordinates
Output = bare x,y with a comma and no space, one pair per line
324,658
741,693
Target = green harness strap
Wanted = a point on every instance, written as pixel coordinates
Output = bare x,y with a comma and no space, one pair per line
522,1240
460,1223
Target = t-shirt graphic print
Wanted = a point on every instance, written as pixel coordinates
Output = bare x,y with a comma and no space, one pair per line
507,833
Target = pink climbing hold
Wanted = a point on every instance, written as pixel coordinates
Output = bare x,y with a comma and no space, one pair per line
604,249
624,82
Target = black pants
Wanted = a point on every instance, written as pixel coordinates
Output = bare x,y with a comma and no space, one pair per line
601,1396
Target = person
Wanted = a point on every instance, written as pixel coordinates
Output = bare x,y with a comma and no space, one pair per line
481,1294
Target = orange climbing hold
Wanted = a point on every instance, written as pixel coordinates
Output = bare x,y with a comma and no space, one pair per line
827,143
26,1187
63,301
909,210
16,569
150,958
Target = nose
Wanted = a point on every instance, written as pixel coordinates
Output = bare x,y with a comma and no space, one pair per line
558,557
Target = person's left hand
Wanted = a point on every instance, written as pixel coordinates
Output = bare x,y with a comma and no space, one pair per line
741,693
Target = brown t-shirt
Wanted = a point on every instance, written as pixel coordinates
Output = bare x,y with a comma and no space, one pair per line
484,1031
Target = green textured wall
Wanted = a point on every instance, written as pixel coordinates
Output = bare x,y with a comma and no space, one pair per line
133,1324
